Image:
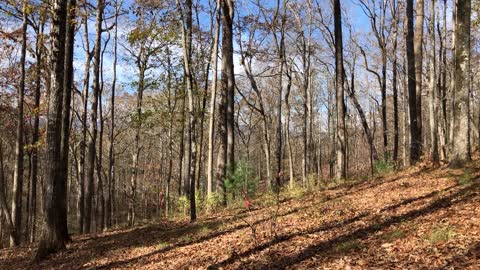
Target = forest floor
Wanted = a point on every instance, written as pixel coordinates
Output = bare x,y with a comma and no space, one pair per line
419,218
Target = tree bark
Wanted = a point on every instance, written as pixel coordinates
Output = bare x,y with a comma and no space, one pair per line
93,119
111,202
394,82
340,171
36,132
460,153
228,79
418,51
415,139
211,126
52,239
19,145
433,89
67,97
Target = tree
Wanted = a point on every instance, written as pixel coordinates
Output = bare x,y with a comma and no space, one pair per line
185,11
341,171
460,153
93,118
19,153
415,142
418,51
433,89
68,89
228,78
52,239
381,32
211,126
226,155
394,11
111,159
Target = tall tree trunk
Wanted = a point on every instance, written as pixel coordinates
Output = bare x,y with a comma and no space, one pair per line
136,152
192,148
280,46
228,78
211,125
93,119
36,132
222,149
442,99
452,79
433,90
100,195
394,82
181,149
415,139
111,214
460,153
83,145
340,171
52,239
18,171
171,108
287,128
68,88
418,51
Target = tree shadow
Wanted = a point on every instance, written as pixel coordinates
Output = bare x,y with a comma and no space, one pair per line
192,242
471,257
461,195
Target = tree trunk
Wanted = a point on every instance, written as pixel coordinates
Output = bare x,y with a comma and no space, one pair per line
36,133
52,239
340,171
222,149
394,83
433,90
460,153
287,128
228,79
111,214
18,171
82,165
415,139
418,51
192,148
68,88
213,94
93,119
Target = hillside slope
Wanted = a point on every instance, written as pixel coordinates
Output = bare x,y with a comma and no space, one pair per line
420,218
